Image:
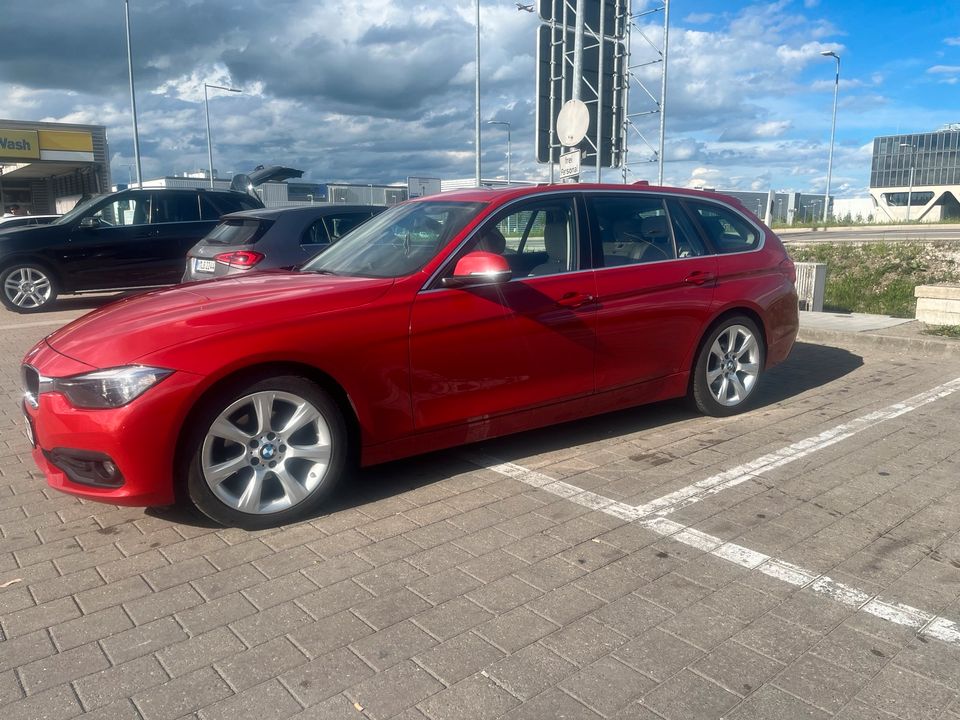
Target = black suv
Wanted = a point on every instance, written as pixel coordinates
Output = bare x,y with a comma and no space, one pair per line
124,240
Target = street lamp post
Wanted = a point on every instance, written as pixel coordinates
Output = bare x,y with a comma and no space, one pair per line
133,96
206,110
833,130
476,93
913,150
504,122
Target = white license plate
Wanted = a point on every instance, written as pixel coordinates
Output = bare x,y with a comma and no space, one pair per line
200,265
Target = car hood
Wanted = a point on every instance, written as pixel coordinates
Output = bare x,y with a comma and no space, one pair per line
129,329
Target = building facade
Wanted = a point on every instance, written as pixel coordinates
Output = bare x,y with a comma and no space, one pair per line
917,176
47,167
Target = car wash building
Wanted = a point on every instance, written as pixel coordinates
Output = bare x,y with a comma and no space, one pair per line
46,167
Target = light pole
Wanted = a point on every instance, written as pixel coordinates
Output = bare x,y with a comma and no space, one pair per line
206,110
833,130
133,96
476,94
504,122
913,150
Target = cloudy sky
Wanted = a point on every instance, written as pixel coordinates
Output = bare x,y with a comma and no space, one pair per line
376,90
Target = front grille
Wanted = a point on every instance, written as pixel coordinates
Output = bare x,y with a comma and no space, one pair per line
31,384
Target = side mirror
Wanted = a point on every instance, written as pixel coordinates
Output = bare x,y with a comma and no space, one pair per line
90,222
479,268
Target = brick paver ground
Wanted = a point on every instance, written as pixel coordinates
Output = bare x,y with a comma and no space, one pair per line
438,589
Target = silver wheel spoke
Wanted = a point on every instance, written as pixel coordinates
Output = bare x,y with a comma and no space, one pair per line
722,391
749,345
302,416
739,389
221,471
316,453
292,488
223,428
750,368
263,408
250,499
712,375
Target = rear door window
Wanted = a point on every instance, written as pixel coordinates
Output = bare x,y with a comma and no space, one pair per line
171,207
728,232
632,229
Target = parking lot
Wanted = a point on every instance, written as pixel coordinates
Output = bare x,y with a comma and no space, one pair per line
798,561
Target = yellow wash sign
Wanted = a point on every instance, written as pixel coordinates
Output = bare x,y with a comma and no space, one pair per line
19,144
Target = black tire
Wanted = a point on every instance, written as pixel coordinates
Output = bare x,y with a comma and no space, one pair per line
28,287
728,367
254,485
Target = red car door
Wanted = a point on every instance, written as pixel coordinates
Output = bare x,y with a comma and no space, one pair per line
655,286
479,351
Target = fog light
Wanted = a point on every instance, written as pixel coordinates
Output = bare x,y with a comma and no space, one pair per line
86,467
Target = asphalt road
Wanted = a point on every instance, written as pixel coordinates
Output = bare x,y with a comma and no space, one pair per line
926,233
798,561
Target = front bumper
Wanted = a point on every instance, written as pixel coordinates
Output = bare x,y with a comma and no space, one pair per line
140,438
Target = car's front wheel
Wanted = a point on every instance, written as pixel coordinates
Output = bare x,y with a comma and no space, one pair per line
265,453
27,287
728,367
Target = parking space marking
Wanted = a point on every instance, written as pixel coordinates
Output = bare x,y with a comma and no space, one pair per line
924,622
730,478
701,489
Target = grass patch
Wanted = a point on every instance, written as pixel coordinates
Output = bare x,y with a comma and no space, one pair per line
950,331
879,278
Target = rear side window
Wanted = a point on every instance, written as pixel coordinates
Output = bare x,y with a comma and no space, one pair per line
340,225
214,205
689,242
235,232
174,207
316,234
727,231
633,229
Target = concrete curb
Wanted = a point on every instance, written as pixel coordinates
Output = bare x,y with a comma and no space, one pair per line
923,344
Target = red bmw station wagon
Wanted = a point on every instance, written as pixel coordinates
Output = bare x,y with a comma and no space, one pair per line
444,320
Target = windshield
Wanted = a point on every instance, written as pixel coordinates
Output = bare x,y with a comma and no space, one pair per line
79,209
397,242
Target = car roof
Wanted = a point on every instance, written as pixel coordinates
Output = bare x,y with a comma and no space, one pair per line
500,195
316,210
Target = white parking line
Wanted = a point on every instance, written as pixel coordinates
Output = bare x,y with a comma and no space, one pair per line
729,478
924,622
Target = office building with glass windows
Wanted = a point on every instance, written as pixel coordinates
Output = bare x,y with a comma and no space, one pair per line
917,176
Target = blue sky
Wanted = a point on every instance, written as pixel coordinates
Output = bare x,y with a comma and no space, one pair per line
376,90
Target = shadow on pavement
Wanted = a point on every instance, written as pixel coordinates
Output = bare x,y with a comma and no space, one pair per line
809,366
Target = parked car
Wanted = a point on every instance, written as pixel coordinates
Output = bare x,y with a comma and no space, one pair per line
444,320
123,240
15,221
273,238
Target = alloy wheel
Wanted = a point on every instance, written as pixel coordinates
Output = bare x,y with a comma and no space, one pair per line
733,365
27,287
266,452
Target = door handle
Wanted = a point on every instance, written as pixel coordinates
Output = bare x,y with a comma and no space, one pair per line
574,300
699,278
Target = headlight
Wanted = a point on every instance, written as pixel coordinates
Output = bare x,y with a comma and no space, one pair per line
107,388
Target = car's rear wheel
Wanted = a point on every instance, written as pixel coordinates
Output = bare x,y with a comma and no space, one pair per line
265,453
728,367
27,287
